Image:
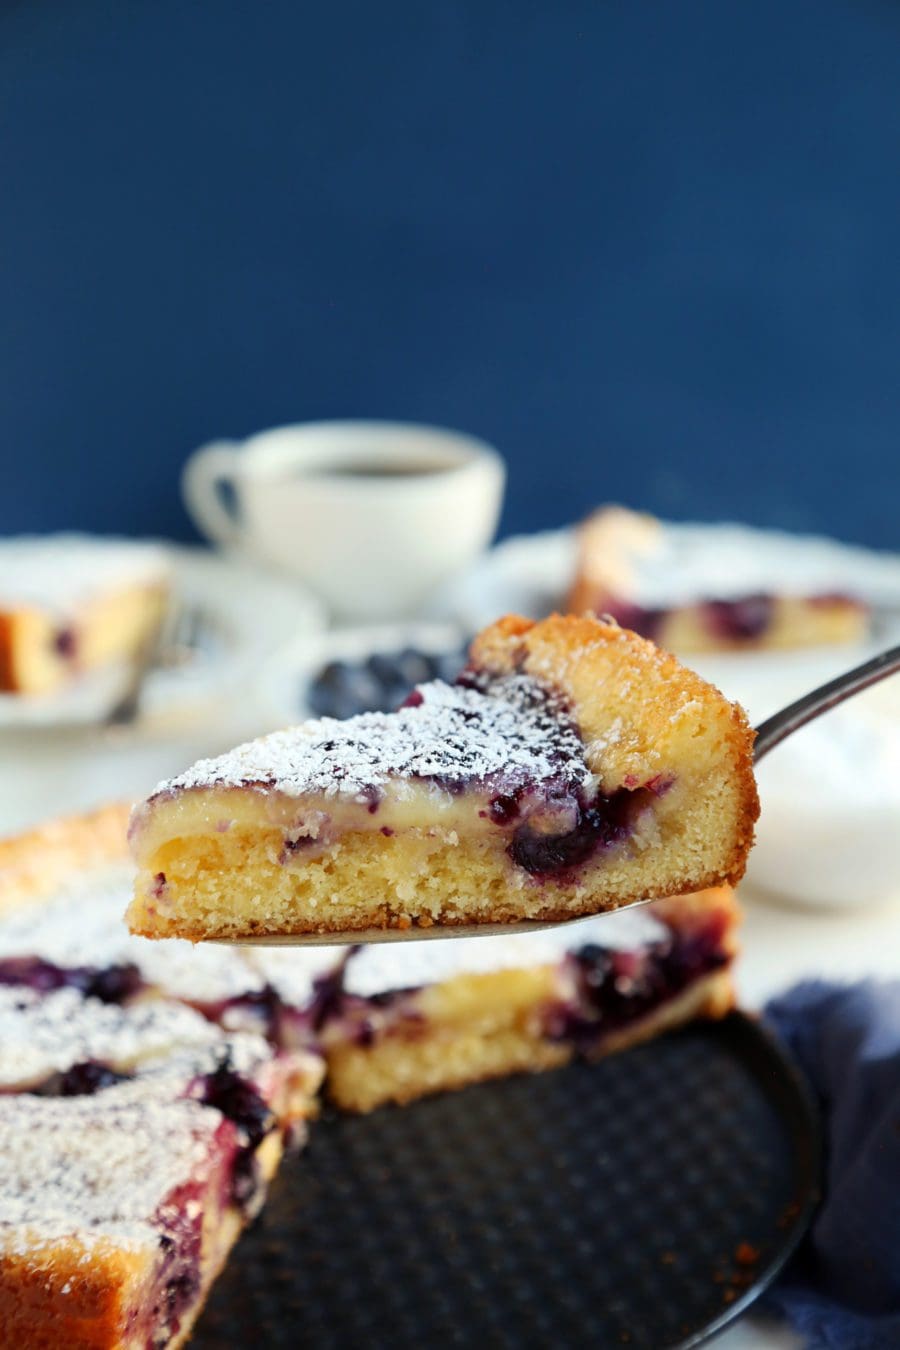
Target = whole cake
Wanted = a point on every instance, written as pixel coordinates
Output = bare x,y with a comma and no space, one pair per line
572,768
148,1089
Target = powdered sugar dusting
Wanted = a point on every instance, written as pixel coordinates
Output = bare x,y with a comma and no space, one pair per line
388,965
43,1034
513,731
67,1166
293,971
100,1168
82,925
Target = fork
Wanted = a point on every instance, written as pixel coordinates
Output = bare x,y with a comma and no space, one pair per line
172,643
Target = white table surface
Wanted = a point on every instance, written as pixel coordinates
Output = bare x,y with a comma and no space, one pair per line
42,774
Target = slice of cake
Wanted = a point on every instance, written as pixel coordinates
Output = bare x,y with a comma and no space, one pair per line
572,768
406,1020
119,1209
135,1143
71,603
715,587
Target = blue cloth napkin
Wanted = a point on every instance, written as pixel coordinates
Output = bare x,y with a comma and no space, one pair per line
842,1292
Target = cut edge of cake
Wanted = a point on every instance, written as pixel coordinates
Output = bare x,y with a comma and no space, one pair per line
533,1013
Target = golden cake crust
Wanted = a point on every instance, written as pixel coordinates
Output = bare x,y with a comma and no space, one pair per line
585,656
68,1294
36,861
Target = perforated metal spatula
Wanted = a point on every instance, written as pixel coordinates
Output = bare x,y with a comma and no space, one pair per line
769,733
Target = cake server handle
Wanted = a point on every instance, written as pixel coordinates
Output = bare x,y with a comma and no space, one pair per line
776,728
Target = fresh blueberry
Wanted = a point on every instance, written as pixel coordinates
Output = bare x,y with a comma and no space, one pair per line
239,1101
740,620
81,1080
379,683
382,666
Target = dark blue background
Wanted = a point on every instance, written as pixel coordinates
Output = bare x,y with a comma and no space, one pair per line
651,250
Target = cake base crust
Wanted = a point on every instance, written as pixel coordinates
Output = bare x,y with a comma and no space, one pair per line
239,891
447,1057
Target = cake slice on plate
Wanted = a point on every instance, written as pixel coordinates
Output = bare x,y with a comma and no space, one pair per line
713,588
571,769
72,603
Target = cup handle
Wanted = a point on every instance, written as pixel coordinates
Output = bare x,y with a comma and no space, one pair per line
201,476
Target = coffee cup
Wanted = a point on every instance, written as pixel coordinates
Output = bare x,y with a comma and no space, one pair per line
374,516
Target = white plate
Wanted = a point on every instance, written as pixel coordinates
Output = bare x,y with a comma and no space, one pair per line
829,838
248,614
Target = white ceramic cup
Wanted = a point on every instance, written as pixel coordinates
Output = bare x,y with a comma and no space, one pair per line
373,515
